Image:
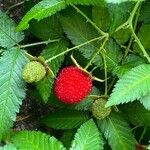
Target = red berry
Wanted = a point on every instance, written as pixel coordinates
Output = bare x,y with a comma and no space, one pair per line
72,85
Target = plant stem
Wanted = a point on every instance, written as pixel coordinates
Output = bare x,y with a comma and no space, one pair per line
75,47
20,118
39,43
30,56
97,96
144,130
91,60
105,72
134,11
90,21
134,27
15,5
140,45
115,108
128,23
75,62
111,84
125,47
135,128
94,96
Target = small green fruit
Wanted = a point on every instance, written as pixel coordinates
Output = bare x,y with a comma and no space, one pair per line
33,72
98,109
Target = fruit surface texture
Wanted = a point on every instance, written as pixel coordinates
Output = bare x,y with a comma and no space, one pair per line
72,85
98,109
33,72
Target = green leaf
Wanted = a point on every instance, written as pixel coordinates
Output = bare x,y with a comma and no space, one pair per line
55,144
48,28
77,36
86,103
96,2
54,49
144,38
140,117
117,132
113,54
40,11
45,86
120,1
12,87
128,63
122,36
119,13
76,33
86,2
8,35
65,119
55,102
145,100
101,17
67,137
145,13
149,147
87,138
8,147
33,140
133,85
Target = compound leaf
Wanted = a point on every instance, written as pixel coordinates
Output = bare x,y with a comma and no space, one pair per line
65,119
87,137
140,117
35,140
117,132
145,100
133,85
40,11
8,35
12,87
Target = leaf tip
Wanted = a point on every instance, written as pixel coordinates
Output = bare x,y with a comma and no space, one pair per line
108,104
22,27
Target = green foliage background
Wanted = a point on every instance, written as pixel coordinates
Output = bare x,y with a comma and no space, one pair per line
109,37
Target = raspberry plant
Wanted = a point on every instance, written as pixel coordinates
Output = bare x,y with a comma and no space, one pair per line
108,40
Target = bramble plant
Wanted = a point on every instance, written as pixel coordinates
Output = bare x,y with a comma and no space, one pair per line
87,63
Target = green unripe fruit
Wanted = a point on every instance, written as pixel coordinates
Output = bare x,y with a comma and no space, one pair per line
33,72
98,109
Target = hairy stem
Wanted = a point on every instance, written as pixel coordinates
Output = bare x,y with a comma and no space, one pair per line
134,11
30,57
111,84
39,43
134,27
130,19
90,21
140,45
75,47
93,57
128,23
105,72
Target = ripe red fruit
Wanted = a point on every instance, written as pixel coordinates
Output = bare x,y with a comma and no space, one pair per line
72,85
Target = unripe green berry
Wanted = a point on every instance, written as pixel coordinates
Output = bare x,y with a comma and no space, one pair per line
33,72
98,109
